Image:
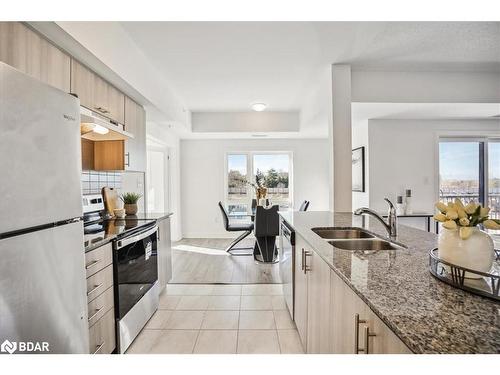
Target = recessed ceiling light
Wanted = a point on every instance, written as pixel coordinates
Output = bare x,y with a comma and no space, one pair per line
259,107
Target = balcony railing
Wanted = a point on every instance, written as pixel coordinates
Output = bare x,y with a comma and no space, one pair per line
493,201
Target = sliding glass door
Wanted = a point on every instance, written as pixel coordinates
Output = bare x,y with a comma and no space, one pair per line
469,169
494,178
460,170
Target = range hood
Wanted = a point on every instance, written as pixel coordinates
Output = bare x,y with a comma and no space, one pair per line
98,128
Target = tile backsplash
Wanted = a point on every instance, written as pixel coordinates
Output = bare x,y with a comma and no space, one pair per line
93,181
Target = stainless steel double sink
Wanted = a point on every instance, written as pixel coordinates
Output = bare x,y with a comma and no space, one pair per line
355,239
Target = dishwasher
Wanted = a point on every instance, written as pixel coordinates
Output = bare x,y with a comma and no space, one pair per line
287,264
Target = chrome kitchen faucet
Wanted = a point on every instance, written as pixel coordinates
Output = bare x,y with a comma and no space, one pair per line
392,219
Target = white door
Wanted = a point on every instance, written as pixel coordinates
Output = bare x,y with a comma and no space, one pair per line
158,178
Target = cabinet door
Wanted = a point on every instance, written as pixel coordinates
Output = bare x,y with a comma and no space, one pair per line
108,101
319,338
109,156
300,302
135,149
116,104
29,52
345,304
384,340
82,84
164,253
350,335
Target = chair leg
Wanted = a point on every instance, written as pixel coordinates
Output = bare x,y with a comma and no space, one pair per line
242,236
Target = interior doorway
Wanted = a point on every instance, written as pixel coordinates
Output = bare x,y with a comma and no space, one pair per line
158,176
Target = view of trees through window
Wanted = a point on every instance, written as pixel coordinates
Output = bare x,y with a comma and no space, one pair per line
271,170
462,166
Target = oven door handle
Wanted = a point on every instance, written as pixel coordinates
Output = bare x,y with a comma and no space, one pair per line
128,240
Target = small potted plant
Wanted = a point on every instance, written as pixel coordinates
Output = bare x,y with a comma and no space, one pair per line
461,242
130,202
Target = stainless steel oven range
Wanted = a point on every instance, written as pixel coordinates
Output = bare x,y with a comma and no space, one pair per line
135,268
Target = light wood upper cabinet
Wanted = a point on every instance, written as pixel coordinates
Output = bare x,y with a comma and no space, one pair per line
96,94
319,339
300,300
135,149
29,52
82,83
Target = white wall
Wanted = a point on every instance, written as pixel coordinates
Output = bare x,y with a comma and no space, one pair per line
403,154
360,139
425,87
203,122
202,178
172,141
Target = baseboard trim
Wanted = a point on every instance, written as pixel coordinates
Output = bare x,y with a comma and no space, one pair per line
214,235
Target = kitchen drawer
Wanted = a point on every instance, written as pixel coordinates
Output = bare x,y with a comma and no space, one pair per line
98,259
102,335
100,306
99,282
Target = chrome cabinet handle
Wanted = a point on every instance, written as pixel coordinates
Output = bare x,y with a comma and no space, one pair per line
357,321
99,347
101,109
303,261
92,264
367,339
127,155
306,267
93,289
94,314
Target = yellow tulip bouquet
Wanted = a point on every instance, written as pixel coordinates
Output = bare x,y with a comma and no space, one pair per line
464,217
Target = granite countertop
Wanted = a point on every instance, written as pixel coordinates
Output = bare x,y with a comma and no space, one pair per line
149,216
110,229
428,315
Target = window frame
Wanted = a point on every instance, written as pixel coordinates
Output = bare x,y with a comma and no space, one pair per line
251,177
484,142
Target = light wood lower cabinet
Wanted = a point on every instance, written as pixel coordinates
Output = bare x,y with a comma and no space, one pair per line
29,52
319,339
300,301
330,317
355,328
100,299
102,335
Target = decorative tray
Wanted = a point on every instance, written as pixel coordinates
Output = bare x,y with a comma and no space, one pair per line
481,283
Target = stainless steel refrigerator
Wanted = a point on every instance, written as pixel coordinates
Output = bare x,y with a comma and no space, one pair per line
42,277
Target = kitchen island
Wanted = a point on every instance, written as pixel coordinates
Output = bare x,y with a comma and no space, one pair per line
426,315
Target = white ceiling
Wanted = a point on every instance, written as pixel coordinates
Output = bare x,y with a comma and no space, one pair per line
225,66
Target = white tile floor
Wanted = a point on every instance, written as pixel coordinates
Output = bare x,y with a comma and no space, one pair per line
220,319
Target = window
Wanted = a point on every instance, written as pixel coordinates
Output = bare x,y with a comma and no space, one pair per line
272,168
237,190
469,169
273,171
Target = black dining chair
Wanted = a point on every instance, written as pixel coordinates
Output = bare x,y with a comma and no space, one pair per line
304,206
246,228
267,227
